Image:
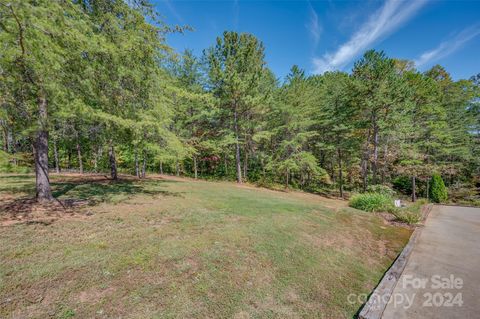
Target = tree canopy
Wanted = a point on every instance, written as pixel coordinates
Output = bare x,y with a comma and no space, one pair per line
92,85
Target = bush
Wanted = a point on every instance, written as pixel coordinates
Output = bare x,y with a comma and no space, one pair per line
381,189
411,214
403,184
438,191
407,216
372,202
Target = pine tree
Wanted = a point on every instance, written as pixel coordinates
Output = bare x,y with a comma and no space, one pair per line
438,191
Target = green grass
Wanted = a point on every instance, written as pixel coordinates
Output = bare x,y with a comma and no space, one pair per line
372,202
412,214
191,249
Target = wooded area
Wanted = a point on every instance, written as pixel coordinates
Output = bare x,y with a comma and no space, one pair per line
92,85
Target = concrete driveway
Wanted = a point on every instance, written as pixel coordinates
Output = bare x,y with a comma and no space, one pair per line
442,276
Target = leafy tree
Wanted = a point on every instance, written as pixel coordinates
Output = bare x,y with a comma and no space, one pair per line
380,94
235,66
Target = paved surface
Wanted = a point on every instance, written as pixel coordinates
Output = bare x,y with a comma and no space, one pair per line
448,248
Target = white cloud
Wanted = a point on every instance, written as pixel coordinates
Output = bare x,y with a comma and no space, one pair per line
314,27
449,46
381,23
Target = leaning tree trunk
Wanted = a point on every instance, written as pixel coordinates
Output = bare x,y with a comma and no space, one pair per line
113,162
237,146
42,182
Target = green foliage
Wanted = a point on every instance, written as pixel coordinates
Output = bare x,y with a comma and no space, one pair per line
407,216
113,85
412,214
372,202
381,189
403,184
438,191
7,163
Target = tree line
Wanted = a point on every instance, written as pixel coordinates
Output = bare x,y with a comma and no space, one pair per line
92,85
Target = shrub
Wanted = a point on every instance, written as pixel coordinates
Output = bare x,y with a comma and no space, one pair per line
381,189
411,214
407,216
438,191
372,202
403,184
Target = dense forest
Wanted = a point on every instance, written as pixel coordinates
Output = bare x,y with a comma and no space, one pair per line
92,86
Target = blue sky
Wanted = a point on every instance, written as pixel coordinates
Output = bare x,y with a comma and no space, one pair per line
330,35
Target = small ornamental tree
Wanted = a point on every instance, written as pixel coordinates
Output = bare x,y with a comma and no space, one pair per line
438,191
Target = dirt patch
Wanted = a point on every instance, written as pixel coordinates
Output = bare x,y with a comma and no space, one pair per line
29,211
94,294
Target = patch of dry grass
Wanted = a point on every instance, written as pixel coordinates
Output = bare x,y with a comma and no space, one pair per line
177,248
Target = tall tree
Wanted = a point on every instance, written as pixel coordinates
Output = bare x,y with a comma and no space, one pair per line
235,66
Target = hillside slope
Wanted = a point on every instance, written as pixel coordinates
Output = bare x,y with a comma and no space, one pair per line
168,247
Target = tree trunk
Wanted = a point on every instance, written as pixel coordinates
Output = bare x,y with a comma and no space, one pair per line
195,168
161,167
428,189
113,162
365,159
414,195
263,167
55,156
80,163
237,146
69,158
385,161
14,147
177,167
375,154
95,161
42,182
340,173
225,164
245,163
332,171
287,175
3,123
137,170
144,165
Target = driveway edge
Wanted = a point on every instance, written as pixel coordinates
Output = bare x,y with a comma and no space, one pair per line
378,300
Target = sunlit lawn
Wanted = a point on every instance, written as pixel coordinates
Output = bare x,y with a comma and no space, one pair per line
173,248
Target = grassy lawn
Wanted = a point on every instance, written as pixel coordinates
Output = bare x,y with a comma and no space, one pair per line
176,248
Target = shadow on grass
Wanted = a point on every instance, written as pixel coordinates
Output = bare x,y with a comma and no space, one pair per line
18,183
106,190
75,192
17,176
